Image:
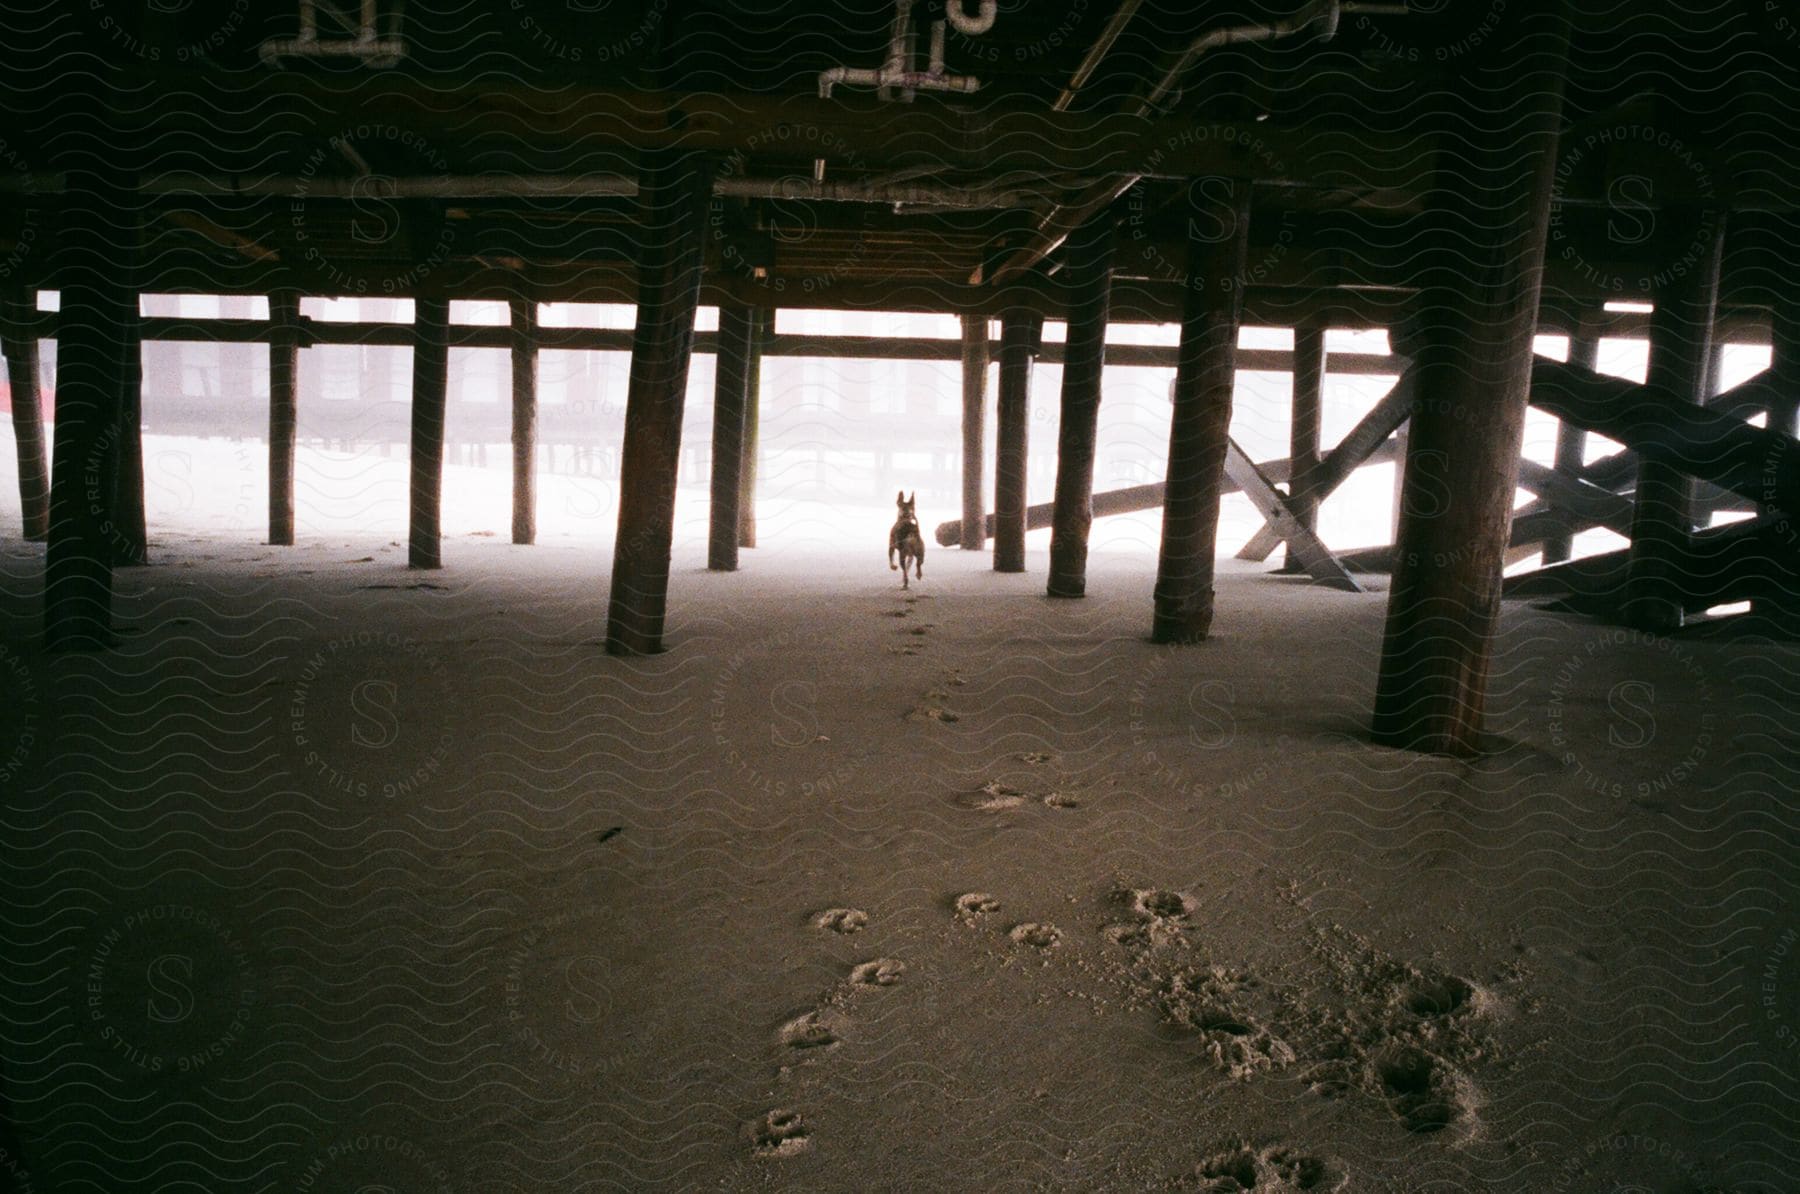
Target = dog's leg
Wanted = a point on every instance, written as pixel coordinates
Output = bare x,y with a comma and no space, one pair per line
890,557
919,560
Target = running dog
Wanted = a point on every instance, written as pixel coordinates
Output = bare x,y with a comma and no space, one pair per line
906,540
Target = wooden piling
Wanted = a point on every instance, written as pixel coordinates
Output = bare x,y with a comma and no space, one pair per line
1087,275
1681,343
1020,333
130,535
1305,428
731,390
1571,440
1200,423
762,323
93,339
674,190
430,379
974,430
284,425
19,343
1489,207
523,312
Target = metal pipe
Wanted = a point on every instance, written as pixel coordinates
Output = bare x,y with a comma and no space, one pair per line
913,80
507,186
970,26
1062,219
1091,60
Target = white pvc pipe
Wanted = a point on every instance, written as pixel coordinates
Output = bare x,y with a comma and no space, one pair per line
970,26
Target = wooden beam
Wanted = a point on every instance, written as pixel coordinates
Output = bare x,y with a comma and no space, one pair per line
284,427
19,343
1304,429
761,332
1372,440
974,430
130,532
1571,440
430,385
522,327
1134,498
1304,547
674,201
93,339
1200,423
731,386
1490,207
1681,342
1087,272
1021,331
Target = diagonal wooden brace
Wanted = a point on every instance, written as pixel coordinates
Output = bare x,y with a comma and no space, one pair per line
1303,544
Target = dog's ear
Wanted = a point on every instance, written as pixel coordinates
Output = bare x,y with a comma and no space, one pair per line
900,497
913,499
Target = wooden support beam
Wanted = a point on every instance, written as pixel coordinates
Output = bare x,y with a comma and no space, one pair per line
284,426
19,343
430,385
131,537
1087,272
1133,498
731,388
1489,203
93,340
1784,363
1200,423
1371,441
974,430
676,187
1571,440
1020,333
1304,429
761,332
1681,345
1304,546
523,328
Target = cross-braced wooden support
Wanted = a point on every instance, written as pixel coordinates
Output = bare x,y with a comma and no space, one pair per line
1087,273
1681,339
673,195
974,430
19,343
731,387
430,385
523,320
1304,547
284,425
1490,203
1200,422
1020,330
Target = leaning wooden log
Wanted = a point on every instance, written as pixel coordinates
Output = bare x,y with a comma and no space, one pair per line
1136,498
1304,547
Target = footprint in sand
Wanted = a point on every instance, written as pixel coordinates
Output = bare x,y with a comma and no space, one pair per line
1154,903
1061,800
1426,1093
780,1133
882,972
1436,996
842,920
972,906
1036,756
1037,934
811,1030
994,797
1242,1170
